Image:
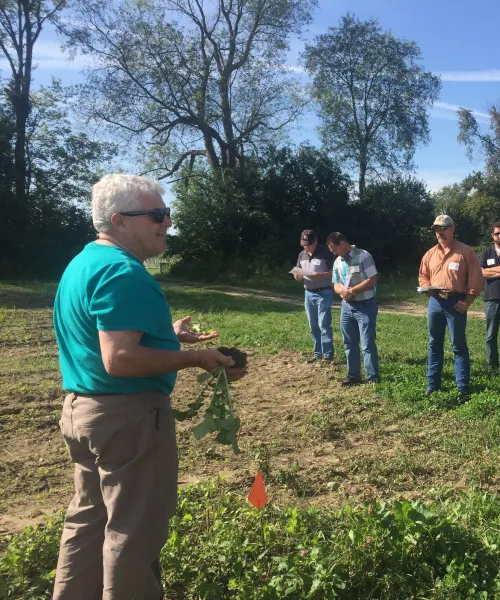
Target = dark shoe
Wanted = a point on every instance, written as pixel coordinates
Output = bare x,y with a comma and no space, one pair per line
350,381
428,392
374,380
463,398
313,359
327,358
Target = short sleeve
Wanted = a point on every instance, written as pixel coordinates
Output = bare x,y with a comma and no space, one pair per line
125,302
484,258
368,266
329,259
335,274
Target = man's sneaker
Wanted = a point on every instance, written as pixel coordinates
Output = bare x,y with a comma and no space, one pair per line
374,380
463,398
350,381
327,358
313,359
428,392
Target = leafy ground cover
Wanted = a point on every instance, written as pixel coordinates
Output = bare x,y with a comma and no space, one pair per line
324,452
219,547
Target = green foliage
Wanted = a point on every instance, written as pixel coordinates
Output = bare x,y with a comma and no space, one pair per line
471,135
191,80
63,164
474,205
27,567
221,548
392,218
374,96
257,224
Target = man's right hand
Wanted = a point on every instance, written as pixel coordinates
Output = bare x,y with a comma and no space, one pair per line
212,359
298,277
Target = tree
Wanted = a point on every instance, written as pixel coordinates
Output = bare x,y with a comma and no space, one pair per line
259,224
391,218
474,204
374,96
471,136
212,84
21,22
62,163
302,188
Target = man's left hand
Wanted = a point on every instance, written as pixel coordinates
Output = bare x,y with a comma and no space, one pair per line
461,307
234,374
347,294
186,336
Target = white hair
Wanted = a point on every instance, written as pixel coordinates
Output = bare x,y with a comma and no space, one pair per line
119,193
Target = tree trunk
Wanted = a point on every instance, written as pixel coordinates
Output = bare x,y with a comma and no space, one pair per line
213,160
362,177
227,123
21,108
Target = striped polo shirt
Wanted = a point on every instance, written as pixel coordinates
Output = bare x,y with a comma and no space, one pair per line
342,272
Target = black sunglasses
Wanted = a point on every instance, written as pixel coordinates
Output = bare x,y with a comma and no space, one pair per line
440,227
157,214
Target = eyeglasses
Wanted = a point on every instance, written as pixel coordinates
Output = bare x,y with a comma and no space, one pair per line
441,228
157,214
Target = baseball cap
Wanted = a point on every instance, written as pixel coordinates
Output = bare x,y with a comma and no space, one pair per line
308,237
442,221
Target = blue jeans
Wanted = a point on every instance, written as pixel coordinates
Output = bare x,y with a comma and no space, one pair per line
358,322
319,313
492,311
441,314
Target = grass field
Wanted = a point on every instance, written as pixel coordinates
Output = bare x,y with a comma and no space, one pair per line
325,453
394,287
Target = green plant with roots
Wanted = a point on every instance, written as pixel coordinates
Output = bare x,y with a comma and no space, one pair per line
219,414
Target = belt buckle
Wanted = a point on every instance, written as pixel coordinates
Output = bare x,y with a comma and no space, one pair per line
445,295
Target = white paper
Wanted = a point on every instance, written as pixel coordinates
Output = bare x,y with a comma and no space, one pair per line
354,269
453,266
298,271
490,261
431,288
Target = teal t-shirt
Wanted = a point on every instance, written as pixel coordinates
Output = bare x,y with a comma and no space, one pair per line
105,288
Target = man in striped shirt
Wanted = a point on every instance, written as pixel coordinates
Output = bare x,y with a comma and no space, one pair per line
354,279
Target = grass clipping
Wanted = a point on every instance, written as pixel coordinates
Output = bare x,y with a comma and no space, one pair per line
219,415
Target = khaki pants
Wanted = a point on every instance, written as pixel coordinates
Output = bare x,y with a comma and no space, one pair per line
125,455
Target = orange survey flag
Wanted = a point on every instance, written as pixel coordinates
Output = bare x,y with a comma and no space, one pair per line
257,495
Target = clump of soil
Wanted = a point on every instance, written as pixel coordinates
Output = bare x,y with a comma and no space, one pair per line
239,357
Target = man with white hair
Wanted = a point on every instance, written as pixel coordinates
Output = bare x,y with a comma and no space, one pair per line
119,354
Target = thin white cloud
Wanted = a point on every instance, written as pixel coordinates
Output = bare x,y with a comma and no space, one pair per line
48,55
295,69
439,107
485,76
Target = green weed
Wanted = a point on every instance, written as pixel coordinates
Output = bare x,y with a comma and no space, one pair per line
222,548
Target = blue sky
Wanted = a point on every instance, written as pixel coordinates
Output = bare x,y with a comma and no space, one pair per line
458,39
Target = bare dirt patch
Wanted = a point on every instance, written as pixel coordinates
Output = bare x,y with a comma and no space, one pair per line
314,441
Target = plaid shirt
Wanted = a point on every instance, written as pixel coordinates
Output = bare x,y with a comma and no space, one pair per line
342,275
